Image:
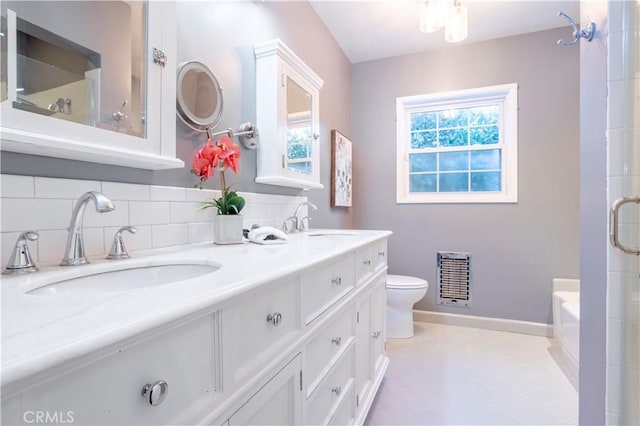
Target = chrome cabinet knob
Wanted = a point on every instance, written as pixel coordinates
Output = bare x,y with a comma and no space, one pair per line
375,334
155,393
336,281
381,253
275,319
366,262
337,340
337,390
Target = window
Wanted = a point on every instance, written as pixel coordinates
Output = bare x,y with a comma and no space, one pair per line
458,147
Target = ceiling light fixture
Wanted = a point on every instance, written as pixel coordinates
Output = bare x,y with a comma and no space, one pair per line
457,26
436,14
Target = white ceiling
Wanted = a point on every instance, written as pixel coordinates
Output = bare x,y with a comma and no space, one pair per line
367,30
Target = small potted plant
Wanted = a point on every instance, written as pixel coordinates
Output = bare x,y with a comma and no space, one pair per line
221,155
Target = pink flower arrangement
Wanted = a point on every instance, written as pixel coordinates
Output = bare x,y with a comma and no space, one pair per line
221,155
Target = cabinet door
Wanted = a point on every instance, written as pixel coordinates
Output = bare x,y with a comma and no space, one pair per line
378,331
279,402
364,348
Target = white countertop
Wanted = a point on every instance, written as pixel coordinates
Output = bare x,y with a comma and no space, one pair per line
40,331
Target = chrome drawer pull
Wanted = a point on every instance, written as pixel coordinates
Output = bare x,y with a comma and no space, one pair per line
275,319
375,334
337,340
381,253
336,281
155,393
337,390
366,262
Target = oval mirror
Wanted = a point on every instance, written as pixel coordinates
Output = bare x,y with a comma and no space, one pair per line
198,97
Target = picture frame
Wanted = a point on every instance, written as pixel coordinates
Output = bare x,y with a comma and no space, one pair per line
341,170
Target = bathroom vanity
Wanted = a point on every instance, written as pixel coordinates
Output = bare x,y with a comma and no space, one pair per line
282,334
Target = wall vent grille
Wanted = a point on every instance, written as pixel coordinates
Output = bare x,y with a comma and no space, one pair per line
454,279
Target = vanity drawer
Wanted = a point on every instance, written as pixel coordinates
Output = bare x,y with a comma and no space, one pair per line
370,259
108,391
332,390
365,263
345,413
257,327
323,287
322,352
379,255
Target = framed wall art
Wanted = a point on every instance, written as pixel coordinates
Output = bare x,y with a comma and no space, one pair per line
341,170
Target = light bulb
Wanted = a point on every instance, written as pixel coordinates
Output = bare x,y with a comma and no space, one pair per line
456,29
434,15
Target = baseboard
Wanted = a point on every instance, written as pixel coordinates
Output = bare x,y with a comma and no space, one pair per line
497,324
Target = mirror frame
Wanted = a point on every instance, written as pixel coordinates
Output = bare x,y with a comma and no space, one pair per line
188,117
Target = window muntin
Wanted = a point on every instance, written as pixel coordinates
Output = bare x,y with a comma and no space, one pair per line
458,146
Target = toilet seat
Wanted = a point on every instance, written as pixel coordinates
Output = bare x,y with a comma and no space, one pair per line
405,282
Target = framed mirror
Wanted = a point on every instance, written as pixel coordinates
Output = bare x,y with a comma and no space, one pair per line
199,96
288,116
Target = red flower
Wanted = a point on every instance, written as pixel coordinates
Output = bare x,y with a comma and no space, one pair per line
228,153
201,166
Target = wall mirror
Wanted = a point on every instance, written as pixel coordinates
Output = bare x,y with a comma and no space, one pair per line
84,80
288,115
199,96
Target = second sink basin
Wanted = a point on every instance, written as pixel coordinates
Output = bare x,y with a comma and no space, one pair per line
124,279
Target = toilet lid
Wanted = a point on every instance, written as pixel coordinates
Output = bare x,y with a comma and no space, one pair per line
405,281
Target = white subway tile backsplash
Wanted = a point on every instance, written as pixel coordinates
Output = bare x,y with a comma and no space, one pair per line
200,232
64,188
615,62
167,193
14,186
125,191
616,97
164,216
149,212
116,217
614,342
51,246
33,214
194,194
190,212
169,235
616,152
93,241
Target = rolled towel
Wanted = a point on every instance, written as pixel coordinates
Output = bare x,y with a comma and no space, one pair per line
267,235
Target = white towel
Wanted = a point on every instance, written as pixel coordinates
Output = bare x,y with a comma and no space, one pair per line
259,235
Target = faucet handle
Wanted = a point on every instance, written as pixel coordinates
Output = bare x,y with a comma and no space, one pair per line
118,250
294,223
20,261
301,226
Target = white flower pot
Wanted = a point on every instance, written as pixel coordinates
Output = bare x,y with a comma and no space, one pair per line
227,229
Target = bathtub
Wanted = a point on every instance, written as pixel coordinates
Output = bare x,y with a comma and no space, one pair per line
566,318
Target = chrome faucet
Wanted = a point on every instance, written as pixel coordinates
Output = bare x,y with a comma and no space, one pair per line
21,261
298,224
74,252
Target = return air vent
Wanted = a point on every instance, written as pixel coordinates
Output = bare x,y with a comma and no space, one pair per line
454,279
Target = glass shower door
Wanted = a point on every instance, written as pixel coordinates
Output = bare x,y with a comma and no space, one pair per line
623,142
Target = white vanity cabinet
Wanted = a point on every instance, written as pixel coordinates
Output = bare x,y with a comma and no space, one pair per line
120,112
304,348
276,403
106,387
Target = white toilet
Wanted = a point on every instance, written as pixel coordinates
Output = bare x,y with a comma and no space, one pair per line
402,293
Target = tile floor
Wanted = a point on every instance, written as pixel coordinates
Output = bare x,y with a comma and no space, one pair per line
448,375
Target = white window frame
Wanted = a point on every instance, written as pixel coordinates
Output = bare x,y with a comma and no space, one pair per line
506,96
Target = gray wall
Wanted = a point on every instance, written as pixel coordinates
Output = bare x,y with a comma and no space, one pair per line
222,35
517,249
593,216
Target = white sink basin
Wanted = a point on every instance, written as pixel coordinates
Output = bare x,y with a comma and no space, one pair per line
124,279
